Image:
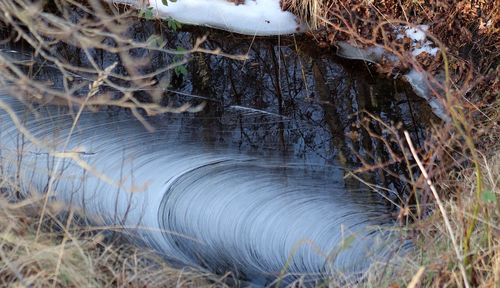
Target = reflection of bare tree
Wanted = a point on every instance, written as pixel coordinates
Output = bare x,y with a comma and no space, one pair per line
276,81
325,129
281,101
202,84
332,117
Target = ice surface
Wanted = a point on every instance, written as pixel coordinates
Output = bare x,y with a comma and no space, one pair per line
421,84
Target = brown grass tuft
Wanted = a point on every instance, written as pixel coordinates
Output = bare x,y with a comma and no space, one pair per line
84,259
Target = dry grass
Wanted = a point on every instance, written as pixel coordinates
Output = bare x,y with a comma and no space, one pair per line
468,31
42,245
461,158
85,259
452,225
435,251
310,10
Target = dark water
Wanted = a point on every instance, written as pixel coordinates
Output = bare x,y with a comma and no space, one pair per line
268,155
291,100
287,99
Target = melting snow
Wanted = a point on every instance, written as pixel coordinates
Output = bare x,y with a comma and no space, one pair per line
252,17
418,33
419,43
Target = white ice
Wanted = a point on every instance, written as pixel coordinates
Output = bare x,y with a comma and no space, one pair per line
253,17
421,84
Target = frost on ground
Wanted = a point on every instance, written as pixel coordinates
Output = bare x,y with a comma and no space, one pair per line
250,17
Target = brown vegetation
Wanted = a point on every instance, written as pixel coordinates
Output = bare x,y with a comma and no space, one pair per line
468,31
64,254
459,241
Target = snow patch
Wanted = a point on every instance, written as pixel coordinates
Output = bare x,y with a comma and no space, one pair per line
253,17
427,49
418,33
419,41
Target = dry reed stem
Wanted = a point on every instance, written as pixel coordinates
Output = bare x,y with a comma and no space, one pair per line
74,156
441,209
416,279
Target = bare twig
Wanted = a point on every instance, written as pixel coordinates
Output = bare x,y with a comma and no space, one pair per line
441,209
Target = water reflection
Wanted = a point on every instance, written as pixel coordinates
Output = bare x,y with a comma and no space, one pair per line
286,102
289,100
